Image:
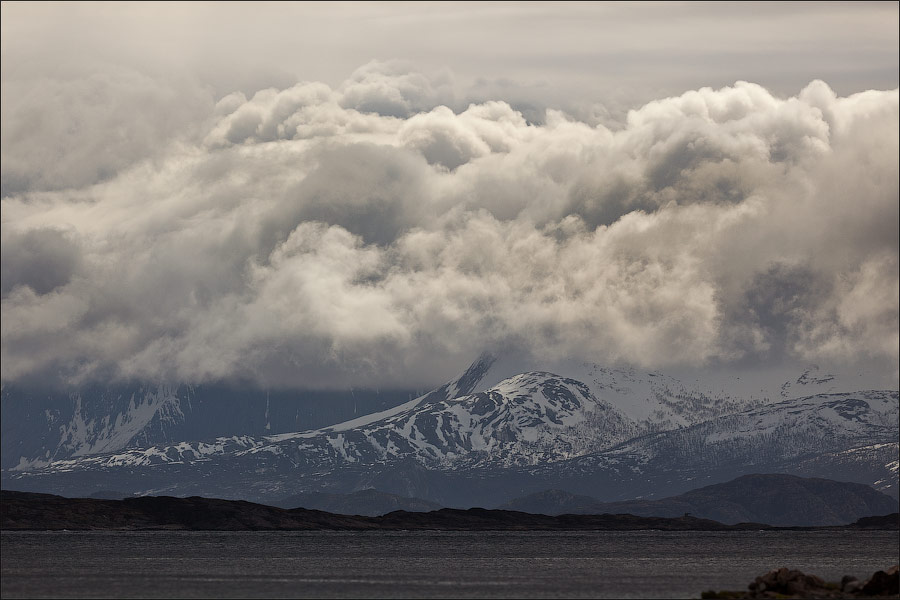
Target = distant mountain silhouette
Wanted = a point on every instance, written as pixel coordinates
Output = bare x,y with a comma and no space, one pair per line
775,499
891,521
28,511
370,503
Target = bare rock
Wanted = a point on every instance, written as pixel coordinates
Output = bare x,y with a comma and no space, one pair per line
883,583
790,583
850,584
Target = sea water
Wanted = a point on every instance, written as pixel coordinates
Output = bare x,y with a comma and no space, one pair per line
327,564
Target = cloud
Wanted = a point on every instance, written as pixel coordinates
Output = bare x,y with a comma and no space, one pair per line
40,259
71,132
394,89
378,233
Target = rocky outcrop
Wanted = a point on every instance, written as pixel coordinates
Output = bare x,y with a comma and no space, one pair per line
882,583
790,583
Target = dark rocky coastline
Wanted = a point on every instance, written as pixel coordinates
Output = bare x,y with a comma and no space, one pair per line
29,511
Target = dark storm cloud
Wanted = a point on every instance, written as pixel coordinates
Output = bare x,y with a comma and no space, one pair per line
374,192
41,259
775,306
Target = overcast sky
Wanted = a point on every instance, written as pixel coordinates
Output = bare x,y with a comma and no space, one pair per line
374,193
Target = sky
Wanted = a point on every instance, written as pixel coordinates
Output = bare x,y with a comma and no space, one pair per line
372,194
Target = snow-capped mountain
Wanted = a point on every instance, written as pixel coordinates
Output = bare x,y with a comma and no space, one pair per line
526,419
620,435
42,427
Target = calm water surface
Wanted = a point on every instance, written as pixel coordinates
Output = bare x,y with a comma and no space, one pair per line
644,564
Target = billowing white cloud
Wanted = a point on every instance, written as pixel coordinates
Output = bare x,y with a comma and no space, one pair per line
367,234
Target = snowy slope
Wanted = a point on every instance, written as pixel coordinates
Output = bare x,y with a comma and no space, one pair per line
528,419
847,436
652,401
658,402
464,384
76,427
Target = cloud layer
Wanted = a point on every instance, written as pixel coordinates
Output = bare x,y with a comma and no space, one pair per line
367,234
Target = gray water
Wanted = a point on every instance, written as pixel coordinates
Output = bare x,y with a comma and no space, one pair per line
642,564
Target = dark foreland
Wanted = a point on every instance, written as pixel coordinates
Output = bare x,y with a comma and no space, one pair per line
29,511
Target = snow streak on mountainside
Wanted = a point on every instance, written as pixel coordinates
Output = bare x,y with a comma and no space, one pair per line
81,425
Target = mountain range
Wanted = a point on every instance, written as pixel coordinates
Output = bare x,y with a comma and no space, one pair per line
488,436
